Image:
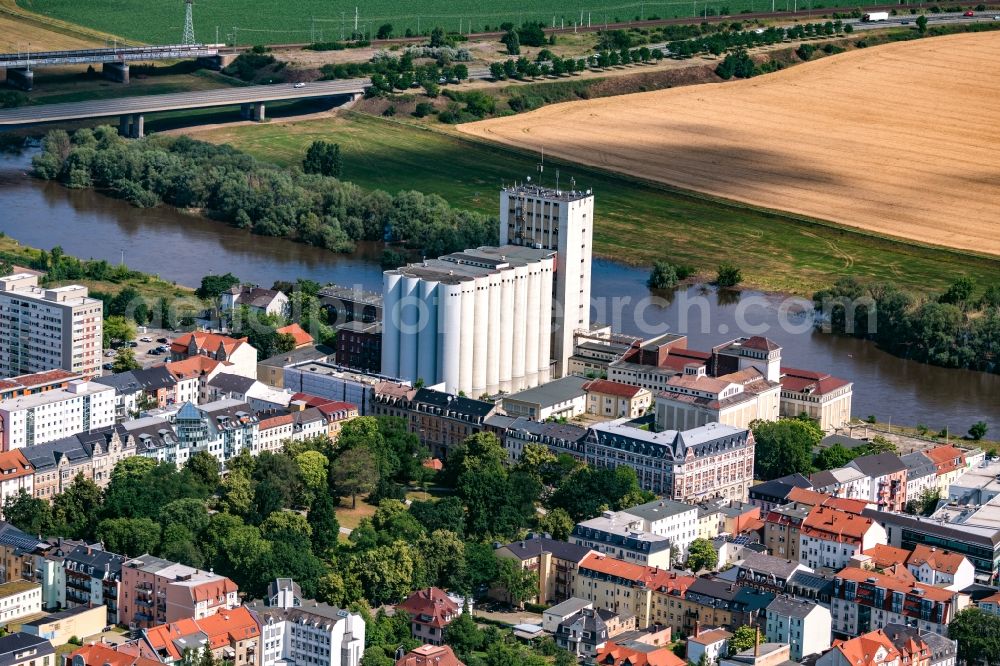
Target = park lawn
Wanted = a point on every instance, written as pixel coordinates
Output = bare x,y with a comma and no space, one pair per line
351,518
636,222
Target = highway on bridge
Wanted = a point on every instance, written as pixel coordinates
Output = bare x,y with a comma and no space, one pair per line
125,106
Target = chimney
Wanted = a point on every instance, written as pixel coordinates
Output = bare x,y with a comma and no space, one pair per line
697,628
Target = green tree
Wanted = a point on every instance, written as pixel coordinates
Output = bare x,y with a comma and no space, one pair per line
125,361
587,491
558,523
118,329
354,473
386,572
323,158
663,276
463,635
978,430
384,31
205,468
744,638
177,544
129,536
312,469
512,41
188,512
784,447
833,457
31,514
520,584
237,493
323,522
922,24
75,510
212,286
437,37
959,293
702,555
728,275
978,636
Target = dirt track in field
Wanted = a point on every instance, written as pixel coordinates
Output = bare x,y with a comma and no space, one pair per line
901,139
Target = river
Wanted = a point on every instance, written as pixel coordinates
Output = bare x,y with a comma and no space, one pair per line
183,248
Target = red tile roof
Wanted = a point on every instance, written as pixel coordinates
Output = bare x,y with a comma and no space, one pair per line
760,342
430,606
884,556
862,651
903,582
275,422
194,366
430,655
14,465
834,525
609,387
619,655
946,458
205,341
213,589
648,577
223,628
336,407
813,498
298,333
38,379
99,654
944,561
795,380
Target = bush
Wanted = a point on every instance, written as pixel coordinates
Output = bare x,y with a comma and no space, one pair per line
805,51
738,64
389,111
728,275
423,109
449,117
663,276
10,99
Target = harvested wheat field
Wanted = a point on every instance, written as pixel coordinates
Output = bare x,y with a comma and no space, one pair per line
901,139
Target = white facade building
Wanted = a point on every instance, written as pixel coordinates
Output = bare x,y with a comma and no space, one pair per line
43,329
805,626
19,598
562,221
35,419
477,321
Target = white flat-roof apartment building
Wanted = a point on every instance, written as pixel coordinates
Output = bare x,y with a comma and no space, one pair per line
563,221
477,321
35,419
44,329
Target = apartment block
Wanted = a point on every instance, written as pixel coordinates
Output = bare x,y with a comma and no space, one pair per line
888,479
16,474
19,598
557,564
35,419
615,400
157,591
806,627
231,636
236,351
23,649
48,328
677,521
621,535
94,578
863,601
714,602
829,537
223,428
37,382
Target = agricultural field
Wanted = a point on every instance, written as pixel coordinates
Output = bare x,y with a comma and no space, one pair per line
270,22
636,222
897,140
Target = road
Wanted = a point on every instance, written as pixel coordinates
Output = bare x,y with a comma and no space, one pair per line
50,113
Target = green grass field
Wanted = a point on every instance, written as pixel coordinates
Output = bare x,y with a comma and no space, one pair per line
636,222
267,21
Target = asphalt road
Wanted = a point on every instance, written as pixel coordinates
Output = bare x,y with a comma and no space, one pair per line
48,113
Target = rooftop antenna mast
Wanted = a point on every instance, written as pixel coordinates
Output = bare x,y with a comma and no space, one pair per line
541,168
188,39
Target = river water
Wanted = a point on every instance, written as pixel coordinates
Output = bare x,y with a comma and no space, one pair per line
183,248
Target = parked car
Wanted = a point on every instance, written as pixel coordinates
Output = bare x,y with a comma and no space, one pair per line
162,340
145,338
300,85
110,353
133,343
108,366
969,13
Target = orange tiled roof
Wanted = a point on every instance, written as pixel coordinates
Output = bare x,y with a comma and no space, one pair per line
620,656
835,525
430,655
194,366
609,387
206,341
223,628
14,465
897,583
650,577
944,561
813,498
433,604
99,654
861,651
298,333
885,556
213,589
161,637
946,458
275,422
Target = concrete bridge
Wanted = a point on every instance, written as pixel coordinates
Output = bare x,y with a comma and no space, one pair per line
131,110
115,60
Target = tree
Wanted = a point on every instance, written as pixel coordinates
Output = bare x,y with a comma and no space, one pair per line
589,490
728,275
744,638
125,361
288,527
463,635
204,467
558,523
354,473
443,555
118,329
702,555
384,31
784,447
323,158
512,41
31,514
519,583
437,37
663,276
325,527
212,286
237,493
312,468
978,636
386,572
188,512
833,457
129,536
922,24
75,510
978,430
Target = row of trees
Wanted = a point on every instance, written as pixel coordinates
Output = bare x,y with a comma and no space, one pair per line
403,70
720,42
236,188
959,328
553,65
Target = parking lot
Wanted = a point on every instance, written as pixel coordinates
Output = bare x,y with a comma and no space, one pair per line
144,344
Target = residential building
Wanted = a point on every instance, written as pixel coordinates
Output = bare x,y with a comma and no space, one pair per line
621,535
866,600
195,377
764,654
271,371
430,655
129,653
626,651
811,498
19,598
441,420
714,602
848,482
712,643
650,594
23,649
155,591
693,398
222,428
943,568
235,387
37,382
888,475
27,558
94,578
554,615
430,611
233,636
36,419
874,648
803,625
16,474
49,328
783,530
882,558
559,438
765,573
814,587
299,335
237,351
478,321
562,398
555,562
258,300
595,348
711,461
58,628
976,486
830,537
156,438
615,400
561,221
990,604
675,520
774,493
300,632
334,382
273,432
943,651
587,631
824,398
950,464
921,475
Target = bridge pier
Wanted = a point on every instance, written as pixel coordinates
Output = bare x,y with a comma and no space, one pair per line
258,112
217,62
132,126
246,111
116,71
20,77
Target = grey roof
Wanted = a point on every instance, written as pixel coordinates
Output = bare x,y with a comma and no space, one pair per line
823,479
499,421
94,560
879,464
461,406
844,441
965,533
150,433
661,508
918,465
552,393
570,606
941,647
548,429
316,352
230,383
11,536
786,606
156,377
526,549
810,581
308,415
669,444
768,564
48,455
779,488
309,610
14,644
124,383
58,615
